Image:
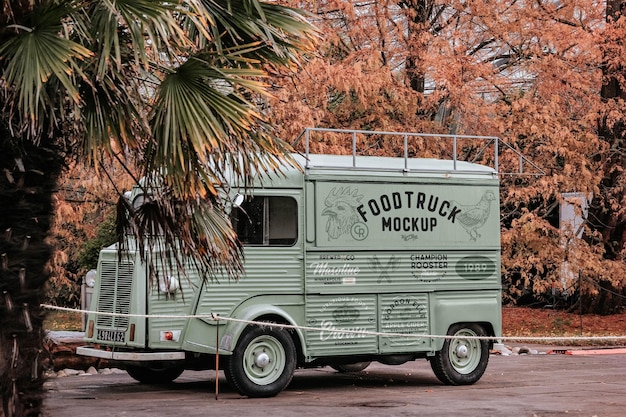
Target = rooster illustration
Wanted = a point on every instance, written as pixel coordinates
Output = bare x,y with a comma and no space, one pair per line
341,206
474,217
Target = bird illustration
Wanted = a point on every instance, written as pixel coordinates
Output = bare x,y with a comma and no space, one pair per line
341,205
474,217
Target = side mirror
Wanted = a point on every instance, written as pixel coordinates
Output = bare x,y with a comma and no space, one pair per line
238,200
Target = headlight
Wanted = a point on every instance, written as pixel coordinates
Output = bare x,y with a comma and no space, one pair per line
90,278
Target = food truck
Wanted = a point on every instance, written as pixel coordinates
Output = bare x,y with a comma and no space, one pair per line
348,259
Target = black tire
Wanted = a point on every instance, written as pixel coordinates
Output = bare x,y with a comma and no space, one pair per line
462,361
263,362
154,374
351,367
228,375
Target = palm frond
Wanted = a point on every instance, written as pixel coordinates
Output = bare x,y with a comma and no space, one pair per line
283,31
201,115
143,29
34,55
172,84
178,232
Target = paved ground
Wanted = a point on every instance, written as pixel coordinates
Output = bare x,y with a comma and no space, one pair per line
524,385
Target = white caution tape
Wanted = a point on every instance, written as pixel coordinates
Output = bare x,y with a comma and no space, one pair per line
538,339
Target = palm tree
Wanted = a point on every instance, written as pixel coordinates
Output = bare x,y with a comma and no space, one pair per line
169,88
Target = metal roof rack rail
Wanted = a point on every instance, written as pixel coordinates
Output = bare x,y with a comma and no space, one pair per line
497,146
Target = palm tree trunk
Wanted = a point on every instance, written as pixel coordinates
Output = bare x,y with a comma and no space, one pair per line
28,174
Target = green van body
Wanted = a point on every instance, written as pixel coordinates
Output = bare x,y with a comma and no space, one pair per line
354,257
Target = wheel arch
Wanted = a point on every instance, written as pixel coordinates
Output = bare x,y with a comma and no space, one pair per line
262,313
486,325
482,308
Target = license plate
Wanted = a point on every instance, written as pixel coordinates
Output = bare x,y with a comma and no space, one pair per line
111,335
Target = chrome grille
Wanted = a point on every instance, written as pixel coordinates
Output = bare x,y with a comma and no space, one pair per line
115,293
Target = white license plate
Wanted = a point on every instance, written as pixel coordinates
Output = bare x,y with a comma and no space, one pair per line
111,335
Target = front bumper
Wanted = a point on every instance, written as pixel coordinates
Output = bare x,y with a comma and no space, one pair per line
130,356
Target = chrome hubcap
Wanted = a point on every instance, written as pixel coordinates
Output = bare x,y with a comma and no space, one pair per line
461,351
262,360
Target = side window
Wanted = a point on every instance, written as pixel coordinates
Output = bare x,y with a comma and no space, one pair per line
267,221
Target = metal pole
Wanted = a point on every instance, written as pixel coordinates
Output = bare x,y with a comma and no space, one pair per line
354,149
497,142
406,153
580,300
306,147
454,151
217,353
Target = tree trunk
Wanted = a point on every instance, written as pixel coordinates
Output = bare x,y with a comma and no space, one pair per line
615,9
606,216
418,14
28,173
612,224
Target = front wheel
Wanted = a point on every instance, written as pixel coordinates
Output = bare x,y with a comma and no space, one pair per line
463,359
263,362
154,374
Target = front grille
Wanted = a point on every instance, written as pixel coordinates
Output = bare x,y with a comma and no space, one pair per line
115,294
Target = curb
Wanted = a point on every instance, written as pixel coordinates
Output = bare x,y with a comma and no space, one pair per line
602,351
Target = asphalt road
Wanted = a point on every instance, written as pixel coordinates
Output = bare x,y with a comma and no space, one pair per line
524,385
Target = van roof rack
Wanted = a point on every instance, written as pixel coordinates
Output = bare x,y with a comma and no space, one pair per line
475,148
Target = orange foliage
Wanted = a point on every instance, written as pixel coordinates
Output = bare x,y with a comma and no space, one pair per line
528,72
84,199
532,73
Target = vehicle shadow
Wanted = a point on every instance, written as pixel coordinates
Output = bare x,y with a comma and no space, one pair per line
309,380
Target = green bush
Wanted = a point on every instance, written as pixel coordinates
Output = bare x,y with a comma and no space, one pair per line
90,250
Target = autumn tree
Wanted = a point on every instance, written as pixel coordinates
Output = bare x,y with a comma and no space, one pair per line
608,212
528,72
84,221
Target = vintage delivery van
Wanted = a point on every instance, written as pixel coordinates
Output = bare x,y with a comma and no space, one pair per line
348,260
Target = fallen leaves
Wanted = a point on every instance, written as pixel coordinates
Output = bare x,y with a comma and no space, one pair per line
535,322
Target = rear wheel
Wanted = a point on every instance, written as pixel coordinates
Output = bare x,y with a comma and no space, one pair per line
263,362
463,359
154,374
